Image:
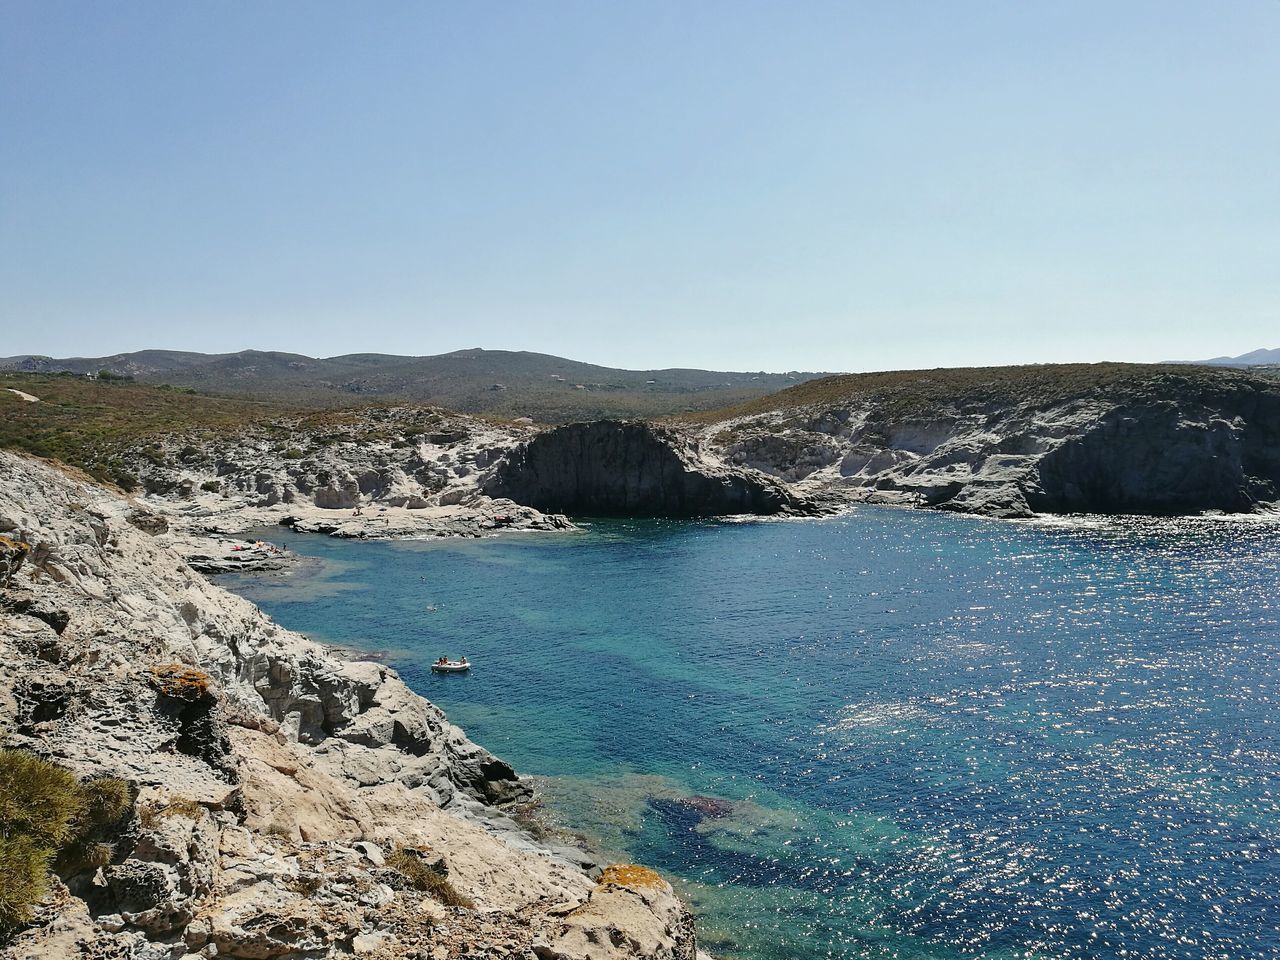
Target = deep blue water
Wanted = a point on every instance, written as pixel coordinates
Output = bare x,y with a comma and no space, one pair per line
941,737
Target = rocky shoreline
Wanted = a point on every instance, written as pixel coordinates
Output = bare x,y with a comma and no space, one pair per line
273,786
1003,442
1017,442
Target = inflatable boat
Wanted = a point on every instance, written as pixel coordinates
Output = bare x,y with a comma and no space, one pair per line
451,666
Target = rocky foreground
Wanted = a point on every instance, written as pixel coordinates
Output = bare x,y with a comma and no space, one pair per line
282,802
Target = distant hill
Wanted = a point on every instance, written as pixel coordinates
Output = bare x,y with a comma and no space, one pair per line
499,382
909,394
1255,358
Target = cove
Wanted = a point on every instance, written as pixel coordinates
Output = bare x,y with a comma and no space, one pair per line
887,734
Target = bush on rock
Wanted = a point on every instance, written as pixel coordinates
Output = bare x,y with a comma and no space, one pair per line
46,816
411,865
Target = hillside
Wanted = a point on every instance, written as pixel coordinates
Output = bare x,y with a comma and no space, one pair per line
999,441
505,383
909,393
1254,358
90,423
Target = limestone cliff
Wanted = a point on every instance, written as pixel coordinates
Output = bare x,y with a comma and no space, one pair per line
269,781
409,472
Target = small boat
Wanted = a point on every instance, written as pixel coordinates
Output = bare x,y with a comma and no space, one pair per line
451,666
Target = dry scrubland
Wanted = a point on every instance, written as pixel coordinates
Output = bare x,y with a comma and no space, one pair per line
907,394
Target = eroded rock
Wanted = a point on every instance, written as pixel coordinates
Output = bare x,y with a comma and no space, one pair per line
631,468
268,776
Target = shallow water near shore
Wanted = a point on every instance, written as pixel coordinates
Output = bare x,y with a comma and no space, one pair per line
888,734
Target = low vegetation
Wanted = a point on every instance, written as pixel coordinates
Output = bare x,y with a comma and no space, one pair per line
179,681
412,865
498,383
90,423
908,394
12,555
47,819
150,815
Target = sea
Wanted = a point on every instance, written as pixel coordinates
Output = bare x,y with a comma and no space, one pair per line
888,734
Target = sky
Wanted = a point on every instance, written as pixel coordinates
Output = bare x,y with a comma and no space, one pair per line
731,185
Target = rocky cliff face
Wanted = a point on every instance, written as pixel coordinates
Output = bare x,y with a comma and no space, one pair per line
1013,442
1007,442
405,457
268,780
629,468
1222,453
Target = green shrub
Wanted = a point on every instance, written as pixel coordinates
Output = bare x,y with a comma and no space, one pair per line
293,453
154,454
410,865
38,799
211,486
24,865
46,814
83,855
106,799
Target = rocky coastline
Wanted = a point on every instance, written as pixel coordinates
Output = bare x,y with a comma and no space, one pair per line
1005,442
282,801
274,784
1016,442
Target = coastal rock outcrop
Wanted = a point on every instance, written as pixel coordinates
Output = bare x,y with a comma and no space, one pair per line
1003,442
378,473
267,779
1016,441
630,468
639,913
1164,458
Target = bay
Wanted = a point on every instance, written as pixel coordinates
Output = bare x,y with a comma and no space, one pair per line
887,734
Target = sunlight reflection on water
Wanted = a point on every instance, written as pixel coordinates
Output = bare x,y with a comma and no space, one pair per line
938,737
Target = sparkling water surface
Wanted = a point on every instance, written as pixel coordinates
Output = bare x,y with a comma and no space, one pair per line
932,736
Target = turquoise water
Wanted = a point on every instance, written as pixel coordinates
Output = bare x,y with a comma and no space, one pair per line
937,737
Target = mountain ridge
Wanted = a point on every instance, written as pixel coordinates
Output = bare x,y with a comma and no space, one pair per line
500,382
1254,358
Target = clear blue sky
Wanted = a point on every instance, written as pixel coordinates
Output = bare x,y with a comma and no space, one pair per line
808,185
